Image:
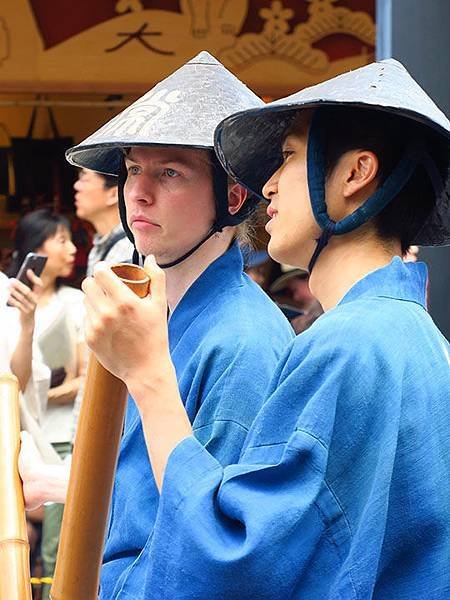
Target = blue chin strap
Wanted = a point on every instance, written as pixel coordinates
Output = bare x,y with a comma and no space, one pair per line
416,154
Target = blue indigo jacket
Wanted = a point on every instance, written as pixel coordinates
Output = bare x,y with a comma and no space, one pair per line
226,337
342,490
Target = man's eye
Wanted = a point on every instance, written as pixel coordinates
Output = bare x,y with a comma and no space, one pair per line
170,172
286,154
133,170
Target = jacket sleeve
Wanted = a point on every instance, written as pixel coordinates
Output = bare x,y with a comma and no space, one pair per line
219,531
254,529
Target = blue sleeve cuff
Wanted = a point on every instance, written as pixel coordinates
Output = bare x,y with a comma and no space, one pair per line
189,465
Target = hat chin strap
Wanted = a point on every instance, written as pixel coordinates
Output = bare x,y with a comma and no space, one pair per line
214,229
321,242
415,155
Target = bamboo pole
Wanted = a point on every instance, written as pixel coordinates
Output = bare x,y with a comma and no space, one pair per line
14,547
94,463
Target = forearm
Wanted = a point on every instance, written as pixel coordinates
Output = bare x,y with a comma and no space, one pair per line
56,483
48,483
64,393
164,419
21,359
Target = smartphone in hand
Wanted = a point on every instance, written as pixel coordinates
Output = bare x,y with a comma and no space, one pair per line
35,262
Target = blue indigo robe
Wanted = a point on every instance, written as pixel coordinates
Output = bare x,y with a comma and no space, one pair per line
342,490
226,337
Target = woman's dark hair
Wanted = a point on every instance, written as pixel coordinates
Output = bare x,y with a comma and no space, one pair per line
388,136
31,232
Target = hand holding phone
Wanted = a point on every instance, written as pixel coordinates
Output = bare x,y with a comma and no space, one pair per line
33,262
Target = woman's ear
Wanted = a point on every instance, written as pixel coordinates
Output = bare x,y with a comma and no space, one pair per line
361,170
236,197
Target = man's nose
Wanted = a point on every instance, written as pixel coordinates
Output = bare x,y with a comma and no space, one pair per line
271,186
140,189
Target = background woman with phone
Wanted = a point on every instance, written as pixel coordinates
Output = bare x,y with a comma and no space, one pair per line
17,317
58,341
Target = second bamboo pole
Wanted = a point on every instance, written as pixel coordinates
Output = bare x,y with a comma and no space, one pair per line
14,547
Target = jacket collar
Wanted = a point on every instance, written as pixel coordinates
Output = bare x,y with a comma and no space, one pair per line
399,280
227,270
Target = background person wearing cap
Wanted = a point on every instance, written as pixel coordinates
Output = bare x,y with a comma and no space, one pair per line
292,294
225,334
341,489
256,265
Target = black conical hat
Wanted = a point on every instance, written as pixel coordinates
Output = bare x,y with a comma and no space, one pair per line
248,143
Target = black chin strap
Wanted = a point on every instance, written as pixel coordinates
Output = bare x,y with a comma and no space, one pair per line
322,241
138,260
214,229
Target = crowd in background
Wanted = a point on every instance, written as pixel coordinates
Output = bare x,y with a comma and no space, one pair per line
43,343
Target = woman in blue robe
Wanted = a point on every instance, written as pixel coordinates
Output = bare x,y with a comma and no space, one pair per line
341,489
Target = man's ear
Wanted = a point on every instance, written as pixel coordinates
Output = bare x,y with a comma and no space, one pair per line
236,197
361,170
112,197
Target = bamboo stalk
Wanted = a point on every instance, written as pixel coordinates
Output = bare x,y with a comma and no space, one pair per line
14,547
94,463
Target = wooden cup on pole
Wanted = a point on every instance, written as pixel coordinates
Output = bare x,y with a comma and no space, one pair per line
94,461
14,547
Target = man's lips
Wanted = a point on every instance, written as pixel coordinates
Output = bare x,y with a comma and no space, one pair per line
271,213
139,222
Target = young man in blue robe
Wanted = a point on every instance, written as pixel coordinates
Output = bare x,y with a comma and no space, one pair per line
341,489
225,334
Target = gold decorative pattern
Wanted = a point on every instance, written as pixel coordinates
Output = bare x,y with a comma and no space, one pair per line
275,47
275,41
325,19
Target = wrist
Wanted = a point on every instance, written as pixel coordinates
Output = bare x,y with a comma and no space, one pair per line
27,327
148,389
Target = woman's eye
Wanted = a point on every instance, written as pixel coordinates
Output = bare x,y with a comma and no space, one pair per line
286,154
170,172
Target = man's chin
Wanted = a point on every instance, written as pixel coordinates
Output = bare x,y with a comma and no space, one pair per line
283,253
147,250
274,250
